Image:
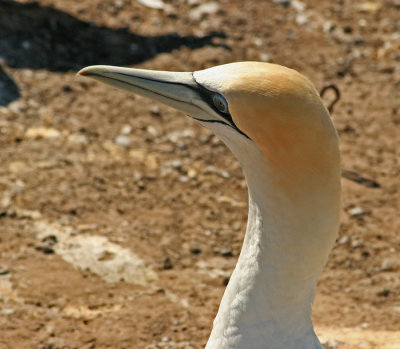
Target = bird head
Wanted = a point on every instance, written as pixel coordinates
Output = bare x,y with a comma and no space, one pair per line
248,105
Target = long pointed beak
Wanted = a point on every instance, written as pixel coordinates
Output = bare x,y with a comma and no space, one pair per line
176,89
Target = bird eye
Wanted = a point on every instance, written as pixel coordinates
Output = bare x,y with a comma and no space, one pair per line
220,103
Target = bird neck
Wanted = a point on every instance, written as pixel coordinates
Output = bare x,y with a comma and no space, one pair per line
267,303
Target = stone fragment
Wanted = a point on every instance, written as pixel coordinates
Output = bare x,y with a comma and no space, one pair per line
126,129
154,4
356,211
77,138
208,8
369,6
123,141
42,132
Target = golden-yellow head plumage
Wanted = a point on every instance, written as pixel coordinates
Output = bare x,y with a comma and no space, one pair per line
281,111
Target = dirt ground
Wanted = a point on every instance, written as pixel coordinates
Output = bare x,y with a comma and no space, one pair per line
121,220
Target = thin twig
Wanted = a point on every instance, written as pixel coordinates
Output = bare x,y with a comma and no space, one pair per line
350,175
337,95
355,177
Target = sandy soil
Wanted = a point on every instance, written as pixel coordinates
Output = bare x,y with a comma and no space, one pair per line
121,220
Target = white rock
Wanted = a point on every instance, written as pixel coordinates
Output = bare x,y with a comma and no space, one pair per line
328,26
188,133
110,261
258,42
176,163
362,22
184,179
298,5
153,131
357,243
126,129
42,132
123,141
154,4
265,57
331,344
207,8
224,174
192,173
32,214
77,138
386,265
301,19
119,4
7,311
356,211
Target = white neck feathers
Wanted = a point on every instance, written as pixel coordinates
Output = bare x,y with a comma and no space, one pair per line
267,303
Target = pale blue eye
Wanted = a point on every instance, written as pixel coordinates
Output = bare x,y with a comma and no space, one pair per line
220,103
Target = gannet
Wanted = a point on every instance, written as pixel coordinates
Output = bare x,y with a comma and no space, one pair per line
273,120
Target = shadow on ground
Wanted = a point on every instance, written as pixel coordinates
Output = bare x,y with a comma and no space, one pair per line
8,89
41,37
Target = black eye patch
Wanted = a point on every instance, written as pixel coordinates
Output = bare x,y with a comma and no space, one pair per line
215,102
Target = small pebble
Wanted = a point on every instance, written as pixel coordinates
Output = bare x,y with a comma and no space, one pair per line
176,163
226,252
4,270
42,132
265,57
167,264
331,344
357,244
155,111
191,173
126,129
77,138
184,179
153,131
301,19
224,174
123,141
356,211
298,5
207,8
7,311
154,4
